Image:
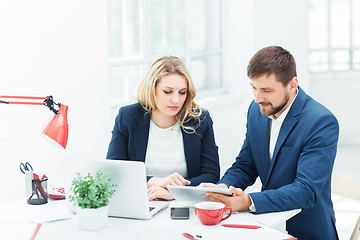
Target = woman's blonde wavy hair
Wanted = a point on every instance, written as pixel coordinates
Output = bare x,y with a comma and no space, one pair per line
165,66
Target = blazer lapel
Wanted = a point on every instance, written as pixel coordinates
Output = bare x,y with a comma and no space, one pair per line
287,126
190,152
191,149
263,142
141,134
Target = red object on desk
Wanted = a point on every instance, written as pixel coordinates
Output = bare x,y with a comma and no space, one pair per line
190,236
241,226
39,187
35,232
57,193
36,177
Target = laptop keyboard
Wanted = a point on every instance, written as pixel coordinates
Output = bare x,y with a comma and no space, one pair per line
151,208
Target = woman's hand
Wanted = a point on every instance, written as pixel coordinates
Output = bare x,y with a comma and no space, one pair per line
173,179
156,192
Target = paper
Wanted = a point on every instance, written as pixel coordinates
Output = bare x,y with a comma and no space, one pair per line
48,213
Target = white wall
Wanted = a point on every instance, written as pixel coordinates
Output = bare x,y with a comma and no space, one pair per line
339,93
284,23
54,48
249,26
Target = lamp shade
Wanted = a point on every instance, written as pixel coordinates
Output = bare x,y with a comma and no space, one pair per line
57,128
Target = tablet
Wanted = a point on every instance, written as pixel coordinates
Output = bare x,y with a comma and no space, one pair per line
194,194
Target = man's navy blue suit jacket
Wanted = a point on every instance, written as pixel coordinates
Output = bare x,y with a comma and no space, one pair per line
299,173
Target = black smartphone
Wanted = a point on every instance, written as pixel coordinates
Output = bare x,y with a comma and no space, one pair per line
179,213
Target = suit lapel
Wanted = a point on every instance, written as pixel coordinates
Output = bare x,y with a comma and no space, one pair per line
141,134
263,141
288,124
286,128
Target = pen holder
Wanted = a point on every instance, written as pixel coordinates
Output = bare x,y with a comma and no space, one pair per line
39,192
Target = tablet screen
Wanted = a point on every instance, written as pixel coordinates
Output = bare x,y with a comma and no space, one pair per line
194,194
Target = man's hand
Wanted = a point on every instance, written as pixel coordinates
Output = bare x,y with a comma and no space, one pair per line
173,179
212,185
156,192
240,201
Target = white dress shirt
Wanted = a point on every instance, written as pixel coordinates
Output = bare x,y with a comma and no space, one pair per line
275,126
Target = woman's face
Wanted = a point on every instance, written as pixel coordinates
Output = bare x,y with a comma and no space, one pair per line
170,95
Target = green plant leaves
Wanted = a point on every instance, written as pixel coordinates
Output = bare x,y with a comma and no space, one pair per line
92,192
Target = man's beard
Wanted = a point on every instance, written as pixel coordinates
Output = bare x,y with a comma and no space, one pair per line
276,109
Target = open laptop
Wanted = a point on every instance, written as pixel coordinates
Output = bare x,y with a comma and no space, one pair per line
130,199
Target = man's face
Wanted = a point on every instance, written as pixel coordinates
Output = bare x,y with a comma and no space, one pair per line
271,95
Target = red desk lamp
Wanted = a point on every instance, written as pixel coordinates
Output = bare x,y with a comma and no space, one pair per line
57,127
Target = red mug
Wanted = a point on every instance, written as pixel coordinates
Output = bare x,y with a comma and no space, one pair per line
211,213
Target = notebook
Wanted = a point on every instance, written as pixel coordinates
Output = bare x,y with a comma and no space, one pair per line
130,199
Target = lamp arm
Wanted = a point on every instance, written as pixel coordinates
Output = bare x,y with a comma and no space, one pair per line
48,101
56,128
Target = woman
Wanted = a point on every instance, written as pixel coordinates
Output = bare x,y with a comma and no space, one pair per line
167,130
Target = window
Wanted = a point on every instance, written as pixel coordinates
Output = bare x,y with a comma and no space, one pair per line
334,36
141,31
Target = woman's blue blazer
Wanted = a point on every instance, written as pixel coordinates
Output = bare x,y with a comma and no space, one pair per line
130,139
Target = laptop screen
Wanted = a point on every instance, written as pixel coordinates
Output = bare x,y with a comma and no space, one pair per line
130,199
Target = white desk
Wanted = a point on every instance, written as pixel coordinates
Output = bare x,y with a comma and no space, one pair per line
159,227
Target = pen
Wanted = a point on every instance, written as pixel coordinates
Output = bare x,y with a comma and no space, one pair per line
36,177
241,226
35,232
38,185
191,237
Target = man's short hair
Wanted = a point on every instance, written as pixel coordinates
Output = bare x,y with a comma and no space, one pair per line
273,60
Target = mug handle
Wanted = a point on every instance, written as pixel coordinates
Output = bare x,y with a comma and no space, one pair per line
227,208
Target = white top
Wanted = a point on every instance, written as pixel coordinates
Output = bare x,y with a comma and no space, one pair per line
275,126
165,151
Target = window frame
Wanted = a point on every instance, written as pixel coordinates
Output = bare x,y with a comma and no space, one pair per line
146,58
330,50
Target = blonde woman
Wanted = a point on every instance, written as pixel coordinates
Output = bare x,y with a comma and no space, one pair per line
167,130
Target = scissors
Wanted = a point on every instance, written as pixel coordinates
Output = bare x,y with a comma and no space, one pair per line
25,167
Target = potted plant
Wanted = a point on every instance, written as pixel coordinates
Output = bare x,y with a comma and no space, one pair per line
91,195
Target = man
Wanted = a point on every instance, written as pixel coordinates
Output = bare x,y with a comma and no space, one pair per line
290,143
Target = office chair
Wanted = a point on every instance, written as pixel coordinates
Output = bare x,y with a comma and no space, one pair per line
356,232
350,189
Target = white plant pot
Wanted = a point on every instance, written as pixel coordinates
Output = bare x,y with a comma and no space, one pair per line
92,219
